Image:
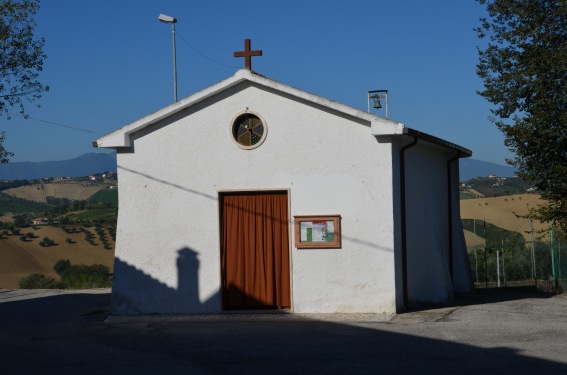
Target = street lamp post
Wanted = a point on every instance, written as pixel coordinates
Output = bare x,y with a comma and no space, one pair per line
172,21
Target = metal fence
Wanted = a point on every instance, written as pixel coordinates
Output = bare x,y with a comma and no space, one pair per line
500,257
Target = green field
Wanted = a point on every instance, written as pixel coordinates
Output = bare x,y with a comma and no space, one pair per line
105,197
97,213
494,234
467,195
17,205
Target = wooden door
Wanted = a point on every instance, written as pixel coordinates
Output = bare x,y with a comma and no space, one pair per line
255,250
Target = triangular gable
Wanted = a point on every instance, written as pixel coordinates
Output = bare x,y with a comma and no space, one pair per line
121,137
378,126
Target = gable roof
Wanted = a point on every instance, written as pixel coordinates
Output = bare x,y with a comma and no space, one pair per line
378,126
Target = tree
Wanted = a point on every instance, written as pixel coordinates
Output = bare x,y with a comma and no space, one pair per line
4,154
523,68
20,220
22,59
62,266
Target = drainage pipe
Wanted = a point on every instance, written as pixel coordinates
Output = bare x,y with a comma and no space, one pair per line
404,216
450,209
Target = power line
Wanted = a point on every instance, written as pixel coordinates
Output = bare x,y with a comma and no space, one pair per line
89,131
54,123
205,56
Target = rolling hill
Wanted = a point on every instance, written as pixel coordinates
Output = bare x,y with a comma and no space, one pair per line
471,168
40,192
83,165
19,259
501,211
90,163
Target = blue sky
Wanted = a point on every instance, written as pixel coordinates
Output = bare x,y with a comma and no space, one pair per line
110,63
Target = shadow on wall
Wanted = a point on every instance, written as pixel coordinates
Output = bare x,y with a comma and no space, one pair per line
135,292
215,198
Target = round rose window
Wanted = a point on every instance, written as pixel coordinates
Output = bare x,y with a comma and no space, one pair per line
248,130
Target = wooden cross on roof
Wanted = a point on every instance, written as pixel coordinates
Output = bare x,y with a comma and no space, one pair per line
247,54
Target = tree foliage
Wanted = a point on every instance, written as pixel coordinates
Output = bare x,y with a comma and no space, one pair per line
62,266
4,154
524,69
21,61
82,276
22,53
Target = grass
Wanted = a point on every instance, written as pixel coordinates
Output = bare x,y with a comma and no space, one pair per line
467,195
494,233
97,213
18,205
105,197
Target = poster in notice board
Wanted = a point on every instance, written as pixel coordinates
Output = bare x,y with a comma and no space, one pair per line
317,232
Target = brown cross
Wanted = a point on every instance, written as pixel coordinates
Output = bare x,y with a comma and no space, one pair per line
247,54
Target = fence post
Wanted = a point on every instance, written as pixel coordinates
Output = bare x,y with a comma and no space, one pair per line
498,266
503,264
534,271
553,269
475,248
485,259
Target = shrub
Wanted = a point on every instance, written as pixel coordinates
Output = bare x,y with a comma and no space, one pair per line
81,276
62,266
39,281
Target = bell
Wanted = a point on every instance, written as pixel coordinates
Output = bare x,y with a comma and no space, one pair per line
377,104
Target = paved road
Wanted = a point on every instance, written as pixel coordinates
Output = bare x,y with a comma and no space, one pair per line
43,332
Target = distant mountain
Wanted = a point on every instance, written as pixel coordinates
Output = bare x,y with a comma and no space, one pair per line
90,163
83,165
471,168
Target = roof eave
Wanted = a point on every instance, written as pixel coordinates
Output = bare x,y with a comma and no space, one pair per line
121,137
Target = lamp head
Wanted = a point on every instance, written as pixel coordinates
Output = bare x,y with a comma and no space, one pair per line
166,19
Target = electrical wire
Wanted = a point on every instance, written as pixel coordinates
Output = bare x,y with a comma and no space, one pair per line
205,56
89,131
53,123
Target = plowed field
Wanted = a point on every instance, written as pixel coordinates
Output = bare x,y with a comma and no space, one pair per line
19,259
39,193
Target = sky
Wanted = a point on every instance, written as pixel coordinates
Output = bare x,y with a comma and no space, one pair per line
109,63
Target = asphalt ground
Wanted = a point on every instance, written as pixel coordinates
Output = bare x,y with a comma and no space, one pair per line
71,332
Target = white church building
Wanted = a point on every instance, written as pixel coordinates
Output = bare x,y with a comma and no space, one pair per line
254,195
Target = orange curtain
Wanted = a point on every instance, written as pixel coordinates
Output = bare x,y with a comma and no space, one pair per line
255,250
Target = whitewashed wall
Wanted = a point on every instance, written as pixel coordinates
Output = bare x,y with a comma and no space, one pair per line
429,279
462,278
167,252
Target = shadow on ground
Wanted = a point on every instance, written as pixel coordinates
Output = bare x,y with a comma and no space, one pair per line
67,332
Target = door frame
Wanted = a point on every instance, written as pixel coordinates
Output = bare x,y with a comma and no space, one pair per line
220,193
